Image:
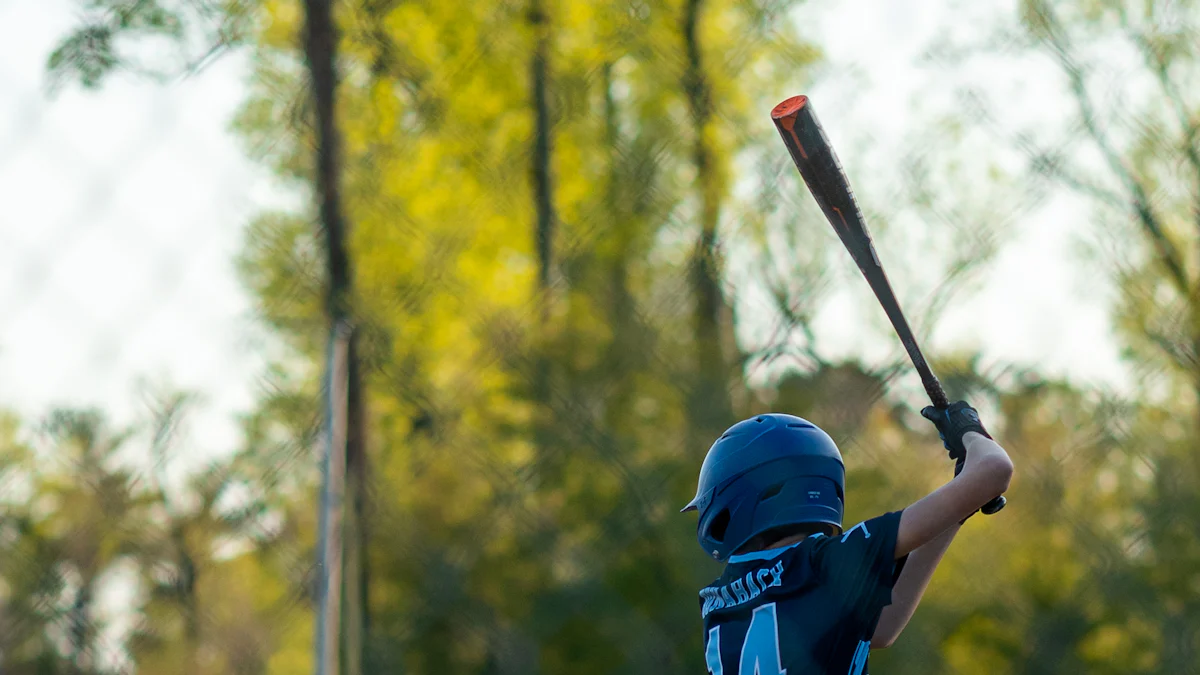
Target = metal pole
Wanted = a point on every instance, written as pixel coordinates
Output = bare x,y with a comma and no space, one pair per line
333,505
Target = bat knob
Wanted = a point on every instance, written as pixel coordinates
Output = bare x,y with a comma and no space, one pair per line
994,506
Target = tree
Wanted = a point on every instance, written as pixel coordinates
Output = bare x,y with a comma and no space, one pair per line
445,260
63,547
1148,186
1119,494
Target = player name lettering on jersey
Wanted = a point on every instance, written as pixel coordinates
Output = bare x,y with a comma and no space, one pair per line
741,590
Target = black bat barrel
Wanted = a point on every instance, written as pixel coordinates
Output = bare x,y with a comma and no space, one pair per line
822,172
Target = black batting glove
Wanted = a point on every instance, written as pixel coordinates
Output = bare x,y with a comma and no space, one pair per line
952,423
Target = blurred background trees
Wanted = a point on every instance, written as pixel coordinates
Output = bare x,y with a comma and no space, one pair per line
577,256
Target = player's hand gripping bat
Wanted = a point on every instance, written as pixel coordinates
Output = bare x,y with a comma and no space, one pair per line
819,166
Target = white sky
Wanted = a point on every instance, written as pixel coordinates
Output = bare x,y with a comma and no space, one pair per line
123,211
1038,304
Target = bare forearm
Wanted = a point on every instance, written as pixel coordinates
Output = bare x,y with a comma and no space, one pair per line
929,525
911,585
985,474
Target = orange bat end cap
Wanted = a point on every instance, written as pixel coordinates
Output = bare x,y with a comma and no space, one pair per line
789,107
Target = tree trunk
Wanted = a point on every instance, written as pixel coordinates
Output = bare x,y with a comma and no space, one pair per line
186,589
623,221
357,599
544,227
542,189
80,660
710,406
626,211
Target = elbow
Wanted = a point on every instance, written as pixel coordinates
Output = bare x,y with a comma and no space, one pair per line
885,634
998,470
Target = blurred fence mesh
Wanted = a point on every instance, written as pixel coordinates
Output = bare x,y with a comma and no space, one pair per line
569,252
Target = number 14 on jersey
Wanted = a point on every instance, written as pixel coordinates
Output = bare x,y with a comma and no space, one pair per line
760,649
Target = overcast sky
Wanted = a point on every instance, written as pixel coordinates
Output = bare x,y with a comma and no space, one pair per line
1038,304
123,210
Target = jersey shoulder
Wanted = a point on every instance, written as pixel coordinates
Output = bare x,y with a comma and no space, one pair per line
753,579
857,565
861,562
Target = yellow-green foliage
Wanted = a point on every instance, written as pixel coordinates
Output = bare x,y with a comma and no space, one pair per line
529,447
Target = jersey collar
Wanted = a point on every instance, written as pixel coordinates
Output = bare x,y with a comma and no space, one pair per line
770,553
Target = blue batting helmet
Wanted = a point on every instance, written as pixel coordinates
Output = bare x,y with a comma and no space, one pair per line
767,472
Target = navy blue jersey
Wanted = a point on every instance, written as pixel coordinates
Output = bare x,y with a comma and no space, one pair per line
807,609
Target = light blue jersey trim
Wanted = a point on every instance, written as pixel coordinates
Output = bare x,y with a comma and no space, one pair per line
860,657
768,554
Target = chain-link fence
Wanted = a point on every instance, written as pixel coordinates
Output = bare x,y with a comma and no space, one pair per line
564,250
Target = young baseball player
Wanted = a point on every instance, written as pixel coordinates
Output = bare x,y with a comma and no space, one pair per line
800,595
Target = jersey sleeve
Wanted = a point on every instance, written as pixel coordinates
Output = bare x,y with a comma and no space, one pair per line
860,564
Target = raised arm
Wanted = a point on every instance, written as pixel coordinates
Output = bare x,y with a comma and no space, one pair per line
909,588
924,559
984,471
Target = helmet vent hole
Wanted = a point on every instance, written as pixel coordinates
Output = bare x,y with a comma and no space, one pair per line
759,419
719,525
770,492
798,425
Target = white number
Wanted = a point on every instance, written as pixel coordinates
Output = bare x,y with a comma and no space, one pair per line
713,653
760,650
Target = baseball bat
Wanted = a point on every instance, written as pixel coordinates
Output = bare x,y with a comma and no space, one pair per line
822,173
